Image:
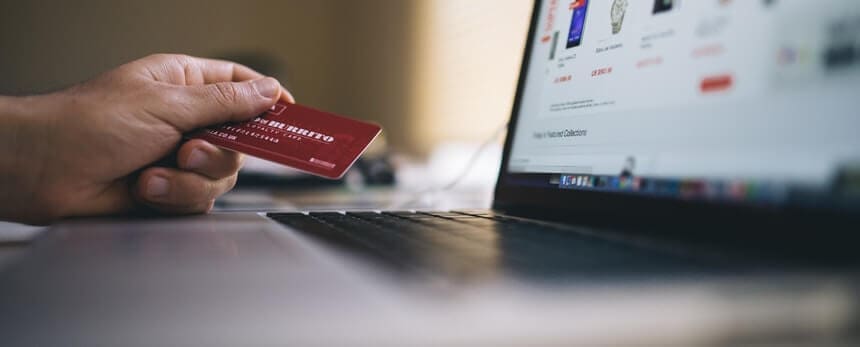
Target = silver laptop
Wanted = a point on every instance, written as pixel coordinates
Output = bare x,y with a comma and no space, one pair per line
675,173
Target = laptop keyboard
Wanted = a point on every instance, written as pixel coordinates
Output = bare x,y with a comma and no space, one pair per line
482,244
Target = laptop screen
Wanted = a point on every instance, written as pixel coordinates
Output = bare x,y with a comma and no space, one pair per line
736,101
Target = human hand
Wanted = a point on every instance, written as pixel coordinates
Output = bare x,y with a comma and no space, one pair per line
113,145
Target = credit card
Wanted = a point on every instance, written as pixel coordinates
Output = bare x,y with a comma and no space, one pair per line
314,141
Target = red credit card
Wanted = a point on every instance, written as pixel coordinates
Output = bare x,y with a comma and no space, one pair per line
310,140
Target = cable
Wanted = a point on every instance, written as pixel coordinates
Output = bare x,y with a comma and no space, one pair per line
463,173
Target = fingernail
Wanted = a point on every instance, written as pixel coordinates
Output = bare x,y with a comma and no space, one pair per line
267,87
157,187
196,159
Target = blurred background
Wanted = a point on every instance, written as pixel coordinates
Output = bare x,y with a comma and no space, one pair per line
439,76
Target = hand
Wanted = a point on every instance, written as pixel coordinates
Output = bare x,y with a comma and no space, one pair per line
113,145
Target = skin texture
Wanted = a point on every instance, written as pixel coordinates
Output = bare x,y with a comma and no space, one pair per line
114,144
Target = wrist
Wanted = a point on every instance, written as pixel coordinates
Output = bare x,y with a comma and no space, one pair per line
23,123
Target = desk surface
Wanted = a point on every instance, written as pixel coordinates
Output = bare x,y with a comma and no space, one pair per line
15,238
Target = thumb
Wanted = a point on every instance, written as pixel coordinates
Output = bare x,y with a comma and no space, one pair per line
223,102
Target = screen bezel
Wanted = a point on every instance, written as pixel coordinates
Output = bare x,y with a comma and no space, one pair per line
624,209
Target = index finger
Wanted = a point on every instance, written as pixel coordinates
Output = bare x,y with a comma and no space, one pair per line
204,158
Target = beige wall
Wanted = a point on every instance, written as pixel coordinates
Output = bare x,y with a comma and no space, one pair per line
372,65
416,67
467,61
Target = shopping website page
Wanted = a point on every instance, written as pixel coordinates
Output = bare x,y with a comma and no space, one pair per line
703,98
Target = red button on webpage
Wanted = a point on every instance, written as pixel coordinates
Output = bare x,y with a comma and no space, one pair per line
716,83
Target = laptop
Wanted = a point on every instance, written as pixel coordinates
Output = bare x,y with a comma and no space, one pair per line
683,157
